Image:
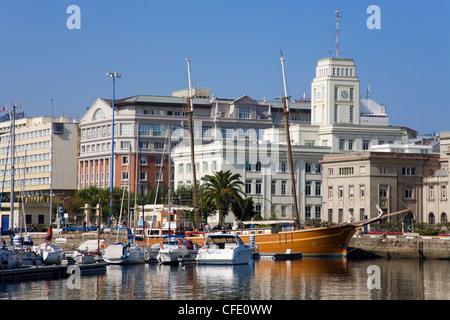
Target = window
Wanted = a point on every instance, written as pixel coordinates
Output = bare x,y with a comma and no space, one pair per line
258,187
307,188
283,166
318,168
159,176
308,167
143,160
310,143
248,166
346,171
308,212
330,172
244,113
351,114
158,130
366,144
350,144
143,176
283,187
335,113
214,166
206,131
443,217
341,144
408,193
341,192
362,170
159,145
125,129
283,211
443,192
248,186
123,145
340,215
318,188
273,187
318,212
158,161
383,192
351,192
144,129
351,93
205,166
330,215
431,220
124,175
362,190
258,166
384,171
330,192
361,214
408,171
125,160
431,192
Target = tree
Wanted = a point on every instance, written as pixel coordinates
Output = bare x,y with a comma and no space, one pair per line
221,189
245,209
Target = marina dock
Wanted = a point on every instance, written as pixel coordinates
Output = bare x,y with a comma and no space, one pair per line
49,272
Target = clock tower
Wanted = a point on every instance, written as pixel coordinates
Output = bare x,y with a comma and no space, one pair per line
335,93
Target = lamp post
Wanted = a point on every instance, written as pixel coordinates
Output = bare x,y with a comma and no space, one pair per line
112,75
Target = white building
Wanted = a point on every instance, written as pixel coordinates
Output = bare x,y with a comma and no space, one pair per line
36,167
341,122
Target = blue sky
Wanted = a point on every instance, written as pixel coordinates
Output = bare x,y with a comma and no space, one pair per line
234,48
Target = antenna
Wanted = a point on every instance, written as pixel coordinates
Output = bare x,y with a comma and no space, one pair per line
337,33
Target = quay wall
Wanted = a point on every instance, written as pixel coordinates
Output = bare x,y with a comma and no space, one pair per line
399,247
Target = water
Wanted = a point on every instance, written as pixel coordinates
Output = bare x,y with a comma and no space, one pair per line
303,279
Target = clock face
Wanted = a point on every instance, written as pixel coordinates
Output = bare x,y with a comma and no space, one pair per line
344,94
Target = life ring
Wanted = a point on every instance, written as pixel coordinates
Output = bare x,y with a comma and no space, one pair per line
161,245
180,243
103,246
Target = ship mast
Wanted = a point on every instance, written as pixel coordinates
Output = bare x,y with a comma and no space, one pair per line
285,100
191,133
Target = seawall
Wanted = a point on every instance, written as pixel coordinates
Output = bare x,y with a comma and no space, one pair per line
411,246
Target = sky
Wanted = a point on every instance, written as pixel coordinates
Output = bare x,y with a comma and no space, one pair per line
234,47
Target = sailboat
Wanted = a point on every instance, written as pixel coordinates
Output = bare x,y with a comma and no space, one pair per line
331,241
125,253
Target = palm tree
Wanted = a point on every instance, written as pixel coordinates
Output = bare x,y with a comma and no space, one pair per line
222,189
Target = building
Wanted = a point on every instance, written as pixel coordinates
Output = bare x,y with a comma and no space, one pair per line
263,167
38,170
150,118
356,183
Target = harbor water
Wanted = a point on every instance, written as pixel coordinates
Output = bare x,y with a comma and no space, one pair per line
301,279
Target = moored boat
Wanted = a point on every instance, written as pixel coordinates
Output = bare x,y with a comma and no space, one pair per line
224,249
121,253
174,248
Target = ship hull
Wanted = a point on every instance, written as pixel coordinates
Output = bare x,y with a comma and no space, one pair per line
325,241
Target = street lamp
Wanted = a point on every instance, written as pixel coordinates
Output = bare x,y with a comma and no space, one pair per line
112,75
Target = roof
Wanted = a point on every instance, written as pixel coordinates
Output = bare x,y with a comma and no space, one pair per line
145,99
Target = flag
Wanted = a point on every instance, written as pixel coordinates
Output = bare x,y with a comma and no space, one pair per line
49,234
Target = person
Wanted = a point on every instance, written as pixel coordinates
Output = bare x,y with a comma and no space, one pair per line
207,227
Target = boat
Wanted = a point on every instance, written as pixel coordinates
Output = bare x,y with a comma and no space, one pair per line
8,259
174,248
330,241
50,253
224,248
121,253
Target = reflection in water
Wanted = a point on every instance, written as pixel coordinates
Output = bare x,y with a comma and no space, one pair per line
307,278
